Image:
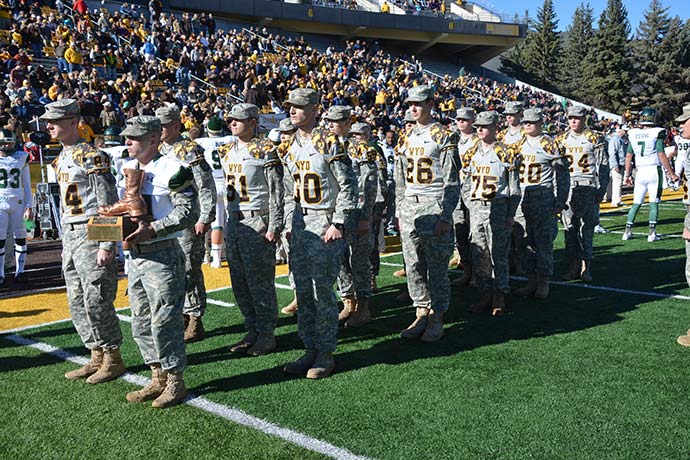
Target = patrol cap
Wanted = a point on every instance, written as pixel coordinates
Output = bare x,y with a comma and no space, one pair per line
59,110
408,117
285,125
338,113
420,93
577,111
686,114
361,128
301,97
513,108
533,115
243,111
141,125
465,113
488,118
168,114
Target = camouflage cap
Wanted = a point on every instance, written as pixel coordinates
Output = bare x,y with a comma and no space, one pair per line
533,115
488,118
244,111
577,111
301,97
361,128
338,112
168,114
513,108
420,93
408,117
59,110
141,125
285,125
465,113
685,116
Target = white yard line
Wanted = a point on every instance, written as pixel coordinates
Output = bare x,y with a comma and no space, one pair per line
220,303
227,412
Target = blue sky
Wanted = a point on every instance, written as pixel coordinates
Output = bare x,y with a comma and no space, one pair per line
566,8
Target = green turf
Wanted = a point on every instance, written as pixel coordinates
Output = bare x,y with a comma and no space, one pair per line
588,374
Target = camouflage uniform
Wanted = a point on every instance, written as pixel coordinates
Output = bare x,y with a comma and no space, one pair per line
427,191
254,176
325,192
379,206
461,214
589,178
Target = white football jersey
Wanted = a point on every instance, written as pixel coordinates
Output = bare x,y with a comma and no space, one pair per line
682,154
644,144
211,146
14,177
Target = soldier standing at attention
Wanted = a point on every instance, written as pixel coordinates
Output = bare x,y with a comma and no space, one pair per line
254,178
589,178
320,174
157,266
89,267
427,192
464,119
192,239
493,171
543,168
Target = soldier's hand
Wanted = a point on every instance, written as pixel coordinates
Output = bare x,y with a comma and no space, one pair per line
332,234
686,234
628,180
201,228
143,233
103,257
441,228
271,237
362,228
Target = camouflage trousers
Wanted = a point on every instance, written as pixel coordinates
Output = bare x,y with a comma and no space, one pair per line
579,222
461,227
156,295
687,248
375,254
541,229
91,290
252,264
354,277
193,248
286,248
518,247
426,254
490,239
315,266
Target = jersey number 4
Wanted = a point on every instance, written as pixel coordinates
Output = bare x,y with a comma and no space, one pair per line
73,200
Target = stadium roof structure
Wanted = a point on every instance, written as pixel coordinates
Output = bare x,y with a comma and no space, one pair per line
476,40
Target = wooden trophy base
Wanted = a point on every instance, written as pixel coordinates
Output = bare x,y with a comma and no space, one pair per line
107,228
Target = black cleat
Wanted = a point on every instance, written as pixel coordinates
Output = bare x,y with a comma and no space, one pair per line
20,278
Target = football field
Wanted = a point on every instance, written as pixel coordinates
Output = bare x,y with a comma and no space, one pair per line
594,372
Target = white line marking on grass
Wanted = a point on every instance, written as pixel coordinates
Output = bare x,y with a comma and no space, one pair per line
220,303
661,235
283,286
26,328
226,412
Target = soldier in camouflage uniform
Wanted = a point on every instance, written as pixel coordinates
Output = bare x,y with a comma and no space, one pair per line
354,278
254,178
543,169
89,267
589,178
157,267
464,119
319,172
427,192
192,239
684,118
492,170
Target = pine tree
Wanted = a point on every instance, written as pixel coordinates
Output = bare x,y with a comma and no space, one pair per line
673,71
542,51
607,73
578,40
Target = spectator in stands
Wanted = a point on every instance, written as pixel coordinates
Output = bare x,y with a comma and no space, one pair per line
385,8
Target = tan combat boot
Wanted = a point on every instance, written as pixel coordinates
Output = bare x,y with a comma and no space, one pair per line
574,270
245,343
132,203
301,365
418,326
111,368
684,339
400,273
349,306
174,392
264,344
194,330
528,289
586,275
291,308
483,305
322,367
434,328
154,389
361,315
542,291
498,305
89,368
466,276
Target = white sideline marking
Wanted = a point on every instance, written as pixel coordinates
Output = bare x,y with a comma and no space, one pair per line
226,412
220,303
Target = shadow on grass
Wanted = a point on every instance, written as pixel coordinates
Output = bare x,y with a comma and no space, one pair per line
15,314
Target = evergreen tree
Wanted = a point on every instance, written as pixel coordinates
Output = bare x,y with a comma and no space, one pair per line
673,71
542,53
607,73
578,40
